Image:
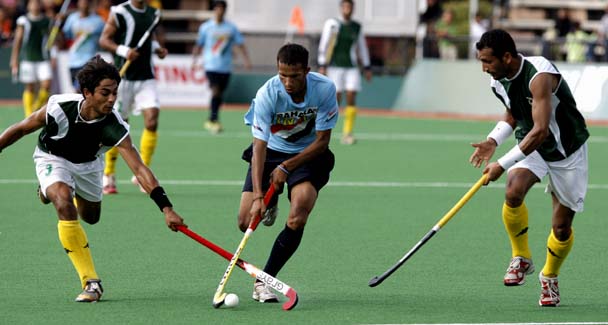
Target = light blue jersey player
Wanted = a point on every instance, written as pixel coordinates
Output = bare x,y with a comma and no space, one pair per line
288,126
83,28
291,120
216,39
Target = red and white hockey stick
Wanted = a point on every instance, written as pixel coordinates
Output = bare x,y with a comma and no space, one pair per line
220,295
255,272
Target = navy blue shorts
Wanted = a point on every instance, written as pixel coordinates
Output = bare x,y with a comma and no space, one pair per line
218,79
315,171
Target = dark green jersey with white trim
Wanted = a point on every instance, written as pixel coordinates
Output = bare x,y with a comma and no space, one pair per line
567,127
69,136
35,30
131,25
348,34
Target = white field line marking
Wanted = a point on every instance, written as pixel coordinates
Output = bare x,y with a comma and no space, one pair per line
363,136
332,184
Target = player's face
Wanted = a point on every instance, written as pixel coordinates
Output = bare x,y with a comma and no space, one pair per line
219,11
104,97
346,9
293,77
496,67
34,7
83,5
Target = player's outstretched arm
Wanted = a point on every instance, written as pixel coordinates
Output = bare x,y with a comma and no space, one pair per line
484,150
18,130
149,182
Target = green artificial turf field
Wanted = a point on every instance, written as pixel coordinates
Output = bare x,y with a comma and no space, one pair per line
386,192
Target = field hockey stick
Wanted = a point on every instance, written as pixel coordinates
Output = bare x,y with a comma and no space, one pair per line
140,43
56,25
255,272
378,279
218,297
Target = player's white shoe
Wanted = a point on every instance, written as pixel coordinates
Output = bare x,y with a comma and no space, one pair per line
262,293
92,291
214,127
109,184
348,139
549,293
270,216
136,182
517,271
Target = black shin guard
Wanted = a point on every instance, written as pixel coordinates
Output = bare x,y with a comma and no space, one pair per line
285,245
216,102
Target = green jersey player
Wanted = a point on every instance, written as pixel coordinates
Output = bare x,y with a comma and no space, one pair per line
551,140
29,59
137,94
76,130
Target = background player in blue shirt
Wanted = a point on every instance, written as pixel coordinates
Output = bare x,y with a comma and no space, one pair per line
291,120
216,38
83,28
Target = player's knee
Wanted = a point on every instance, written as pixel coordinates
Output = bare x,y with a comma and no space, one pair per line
298,219
65,209
514,197
151,125
561,232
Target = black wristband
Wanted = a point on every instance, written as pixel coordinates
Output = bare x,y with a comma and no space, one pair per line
159,197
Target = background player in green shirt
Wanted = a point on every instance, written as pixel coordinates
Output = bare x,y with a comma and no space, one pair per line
76,130
137,93
341,47
29,57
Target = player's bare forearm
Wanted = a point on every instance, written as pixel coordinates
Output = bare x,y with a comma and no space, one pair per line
144,175
319,146
20,129
107,35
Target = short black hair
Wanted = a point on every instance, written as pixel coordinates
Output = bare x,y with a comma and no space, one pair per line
221,3
293,54
94,71
347,1
499,41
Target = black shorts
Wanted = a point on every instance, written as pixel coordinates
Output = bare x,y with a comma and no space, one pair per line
218,79
315,171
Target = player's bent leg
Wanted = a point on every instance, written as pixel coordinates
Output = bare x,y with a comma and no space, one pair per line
303,197
28,99
89,212
149,137
71,234
43,94
515,220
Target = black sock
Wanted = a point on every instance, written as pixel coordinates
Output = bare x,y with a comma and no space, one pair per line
285,245
216,101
